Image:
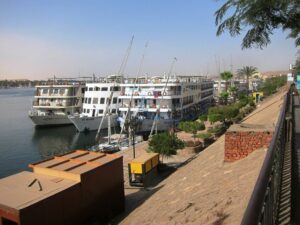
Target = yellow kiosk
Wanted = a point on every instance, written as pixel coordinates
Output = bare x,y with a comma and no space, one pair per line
142,169
258,96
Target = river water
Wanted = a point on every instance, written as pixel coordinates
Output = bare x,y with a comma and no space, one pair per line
21,143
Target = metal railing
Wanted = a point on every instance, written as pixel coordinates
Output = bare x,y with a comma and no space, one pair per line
263,207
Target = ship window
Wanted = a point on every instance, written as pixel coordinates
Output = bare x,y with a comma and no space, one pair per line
85,100
119,100
115,88
82,90
55,91
89,100
102,100
95,100
90,89
97,89
88,111
84,110
115,100
61,91
113,111
100,111
104,89
45,91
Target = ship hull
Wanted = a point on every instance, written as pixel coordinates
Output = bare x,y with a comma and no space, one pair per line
92,123
50,120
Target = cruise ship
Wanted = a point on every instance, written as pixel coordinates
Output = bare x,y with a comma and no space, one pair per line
161,102
55,100
96,99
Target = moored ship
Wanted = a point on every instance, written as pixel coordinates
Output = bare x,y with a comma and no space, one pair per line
96,99
55,100
161,102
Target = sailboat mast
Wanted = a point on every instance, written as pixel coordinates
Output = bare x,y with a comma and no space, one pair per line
155,121
108,104
128,114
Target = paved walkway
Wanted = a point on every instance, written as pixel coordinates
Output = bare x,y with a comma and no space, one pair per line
207,190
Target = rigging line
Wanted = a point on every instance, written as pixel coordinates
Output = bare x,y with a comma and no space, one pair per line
120,73
132,92
156,116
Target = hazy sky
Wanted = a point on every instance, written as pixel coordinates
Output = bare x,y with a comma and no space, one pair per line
39,39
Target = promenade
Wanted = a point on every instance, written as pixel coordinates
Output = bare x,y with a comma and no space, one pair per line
206,190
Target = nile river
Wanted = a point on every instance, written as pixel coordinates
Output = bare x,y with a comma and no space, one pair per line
22,143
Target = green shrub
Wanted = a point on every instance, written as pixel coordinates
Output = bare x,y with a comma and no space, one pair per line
230,111
272,84
203,118
191,126
222,113
216,129
165,144
252,103
238,118
204,136
215,118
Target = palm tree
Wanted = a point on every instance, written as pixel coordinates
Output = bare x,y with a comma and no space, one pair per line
226,75
247,71
233,92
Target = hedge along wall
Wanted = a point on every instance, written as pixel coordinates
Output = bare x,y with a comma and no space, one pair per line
240,143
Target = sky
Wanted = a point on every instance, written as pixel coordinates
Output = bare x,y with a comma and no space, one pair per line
70,38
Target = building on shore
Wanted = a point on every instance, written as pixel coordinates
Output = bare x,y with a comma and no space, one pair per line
221,85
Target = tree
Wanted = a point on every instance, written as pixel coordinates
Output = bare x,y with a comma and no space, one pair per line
233,92
230,111
165,144
195,126
247,71
223,113
260,17
223,98
272,84
191,126
226,75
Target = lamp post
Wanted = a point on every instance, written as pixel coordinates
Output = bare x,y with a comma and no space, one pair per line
133,124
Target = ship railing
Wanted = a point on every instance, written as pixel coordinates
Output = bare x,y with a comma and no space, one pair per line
157,93
35,103
264,204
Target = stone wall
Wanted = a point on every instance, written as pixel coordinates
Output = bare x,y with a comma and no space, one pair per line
241,141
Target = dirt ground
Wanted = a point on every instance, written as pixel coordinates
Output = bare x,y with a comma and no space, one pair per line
204,191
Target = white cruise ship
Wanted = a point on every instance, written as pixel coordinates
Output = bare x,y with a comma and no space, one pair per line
163,102
54,101
96,99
